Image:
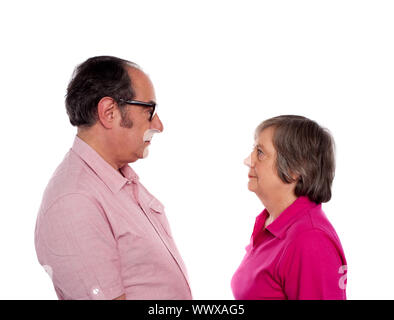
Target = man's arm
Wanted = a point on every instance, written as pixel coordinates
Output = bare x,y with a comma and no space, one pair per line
76,241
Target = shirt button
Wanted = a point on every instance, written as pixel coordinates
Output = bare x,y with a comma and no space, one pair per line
128,182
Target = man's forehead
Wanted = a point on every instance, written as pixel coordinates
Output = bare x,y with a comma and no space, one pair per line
142,85
136,74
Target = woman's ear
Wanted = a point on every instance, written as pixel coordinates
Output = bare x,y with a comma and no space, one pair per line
295,176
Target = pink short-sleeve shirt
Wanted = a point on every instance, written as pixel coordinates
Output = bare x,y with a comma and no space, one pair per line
298,256
101,234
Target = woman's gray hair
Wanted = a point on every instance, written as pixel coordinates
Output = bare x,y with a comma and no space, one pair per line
305,153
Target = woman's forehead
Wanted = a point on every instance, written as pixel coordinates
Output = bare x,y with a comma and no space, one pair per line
264,138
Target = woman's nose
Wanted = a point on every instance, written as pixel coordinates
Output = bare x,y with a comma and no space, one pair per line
248,161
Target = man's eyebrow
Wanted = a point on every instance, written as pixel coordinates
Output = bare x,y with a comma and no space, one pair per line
146,107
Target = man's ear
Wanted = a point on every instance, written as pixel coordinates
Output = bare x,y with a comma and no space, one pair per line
107,112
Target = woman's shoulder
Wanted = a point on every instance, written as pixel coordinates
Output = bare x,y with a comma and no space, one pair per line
312,226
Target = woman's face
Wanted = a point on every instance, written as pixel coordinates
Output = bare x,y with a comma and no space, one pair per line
263,177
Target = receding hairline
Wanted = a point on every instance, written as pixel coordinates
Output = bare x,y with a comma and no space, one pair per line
132,65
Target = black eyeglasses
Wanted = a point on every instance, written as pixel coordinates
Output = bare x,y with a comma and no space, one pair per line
150,104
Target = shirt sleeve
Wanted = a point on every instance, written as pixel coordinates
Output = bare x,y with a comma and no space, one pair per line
80,250
310,268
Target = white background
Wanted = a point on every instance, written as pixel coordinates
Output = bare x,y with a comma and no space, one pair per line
219,68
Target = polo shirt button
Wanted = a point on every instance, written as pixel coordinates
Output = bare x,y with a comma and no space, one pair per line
128,182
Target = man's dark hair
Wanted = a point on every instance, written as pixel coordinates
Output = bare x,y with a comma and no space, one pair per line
306,150
97,77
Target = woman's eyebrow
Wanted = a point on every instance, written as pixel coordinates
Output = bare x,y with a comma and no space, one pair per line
260,146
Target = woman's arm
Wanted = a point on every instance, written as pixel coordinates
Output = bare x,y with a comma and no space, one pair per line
310,268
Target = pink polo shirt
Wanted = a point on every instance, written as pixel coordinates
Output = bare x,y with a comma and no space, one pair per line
298,256
100,234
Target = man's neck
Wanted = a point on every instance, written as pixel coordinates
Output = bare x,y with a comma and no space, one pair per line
97,145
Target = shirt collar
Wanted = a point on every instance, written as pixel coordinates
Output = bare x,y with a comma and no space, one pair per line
111,177
289,216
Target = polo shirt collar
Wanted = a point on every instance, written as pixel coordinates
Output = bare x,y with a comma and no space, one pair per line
111,177
289,216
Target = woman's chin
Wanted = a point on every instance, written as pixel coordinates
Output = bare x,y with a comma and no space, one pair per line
251,186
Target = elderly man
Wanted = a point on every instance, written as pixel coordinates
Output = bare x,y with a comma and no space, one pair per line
99,233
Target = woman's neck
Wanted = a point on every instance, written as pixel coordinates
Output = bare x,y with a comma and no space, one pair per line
277,206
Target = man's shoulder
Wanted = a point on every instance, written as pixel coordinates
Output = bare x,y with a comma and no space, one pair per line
72,176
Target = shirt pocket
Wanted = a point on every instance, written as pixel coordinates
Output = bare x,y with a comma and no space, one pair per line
157,209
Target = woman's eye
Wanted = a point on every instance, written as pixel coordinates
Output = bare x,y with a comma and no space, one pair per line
260,153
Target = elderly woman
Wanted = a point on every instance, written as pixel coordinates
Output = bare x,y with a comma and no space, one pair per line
294,252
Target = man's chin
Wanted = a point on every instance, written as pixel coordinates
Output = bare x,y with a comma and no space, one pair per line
141,154
145,153
133,160
134,157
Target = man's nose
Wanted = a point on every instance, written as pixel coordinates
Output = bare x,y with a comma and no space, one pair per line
156,123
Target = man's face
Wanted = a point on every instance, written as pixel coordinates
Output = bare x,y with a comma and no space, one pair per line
134,121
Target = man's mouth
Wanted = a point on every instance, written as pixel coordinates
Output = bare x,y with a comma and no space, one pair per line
149,134
147,139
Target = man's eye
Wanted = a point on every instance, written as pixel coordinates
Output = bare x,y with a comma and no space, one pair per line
259,152
149,112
